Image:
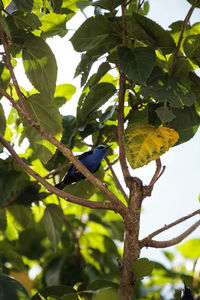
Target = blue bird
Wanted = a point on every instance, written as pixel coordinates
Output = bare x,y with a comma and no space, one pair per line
187,293
91,159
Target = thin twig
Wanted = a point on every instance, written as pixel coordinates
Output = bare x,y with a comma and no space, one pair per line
174,241
146,240
184,24
116,179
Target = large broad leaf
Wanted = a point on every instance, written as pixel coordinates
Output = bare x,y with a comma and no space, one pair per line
91,33
8,181
191,47
53,222
44,111
26,20
21,214
165,114
189,249
144,143
97,96
149,32
186,123
40,65
63,93
53,24
11,289
108,4
167,90
137,64
142,267
70,128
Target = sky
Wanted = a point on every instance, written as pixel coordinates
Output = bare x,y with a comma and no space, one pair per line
176,193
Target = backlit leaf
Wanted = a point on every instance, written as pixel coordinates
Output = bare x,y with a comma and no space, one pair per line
40,65
53,24
191,47
189,249
137,64
4,77
108,4
63,93
144,143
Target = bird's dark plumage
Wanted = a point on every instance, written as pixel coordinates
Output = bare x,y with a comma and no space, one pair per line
91,159
187,293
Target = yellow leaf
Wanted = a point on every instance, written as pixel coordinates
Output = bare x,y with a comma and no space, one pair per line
144,143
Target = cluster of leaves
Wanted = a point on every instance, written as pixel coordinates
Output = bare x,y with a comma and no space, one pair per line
160,89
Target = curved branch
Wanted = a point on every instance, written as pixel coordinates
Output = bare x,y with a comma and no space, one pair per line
51,188
145,241
174,241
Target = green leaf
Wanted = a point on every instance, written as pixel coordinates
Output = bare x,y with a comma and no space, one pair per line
3,220
186,123
137,64
24,5
191,47
70,128
91,33
56,290
96,97
84,67
4,77
108,113
83,4
53,224
102,70
11,289
106,293
190,248
45,111
40,65
108,4
8,253
8,180
63,93
70,296
21,214
53,24
26,20
4,24
165,114
142,267
100,283
149,32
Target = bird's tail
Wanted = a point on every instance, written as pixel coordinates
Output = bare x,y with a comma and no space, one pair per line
60,185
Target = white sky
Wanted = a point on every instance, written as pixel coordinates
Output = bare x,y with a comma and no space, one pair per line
176,193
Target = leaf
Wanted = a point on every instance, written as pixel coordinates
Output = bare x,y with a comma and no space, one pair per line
26,20
63,93
102,70
83,4
40,65
3,220
144,143
53,24
5,26
108,4
53,224
11,289
70,296
142,267
149,32
100,283
56,290
8,180
191,48
186,123
137,64
96,97
4,77
91,33
165,114
106,293
189,249
21,214
108,113
70,128
45,111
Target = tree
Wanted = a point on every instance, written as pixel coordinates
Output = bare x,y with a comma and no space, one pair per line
150,106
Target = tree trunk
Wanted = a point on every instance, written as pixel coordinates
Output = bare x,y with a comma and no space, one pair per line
131,242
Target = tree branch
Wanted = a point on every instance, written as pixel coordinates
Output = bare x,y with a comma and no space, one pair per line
186,20
174,241
51,188
145,241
